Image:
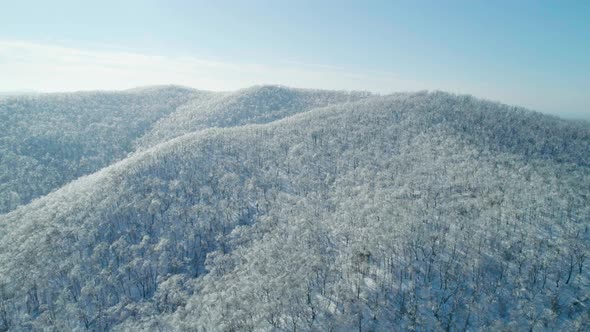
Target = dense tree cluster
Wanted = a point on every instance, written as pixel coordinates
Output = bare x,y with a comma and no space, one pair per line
50,139
423,211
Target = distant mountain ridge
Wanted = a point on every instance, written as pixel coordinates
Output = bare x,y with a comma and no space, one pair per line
260,104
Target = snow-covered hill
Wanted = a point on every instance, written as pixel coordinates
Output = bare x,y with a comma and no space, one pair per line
47,140
259,104
424,211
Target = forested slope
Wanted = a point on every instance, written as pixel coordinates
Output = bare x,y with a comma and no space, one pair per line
259,104
47,140
420,211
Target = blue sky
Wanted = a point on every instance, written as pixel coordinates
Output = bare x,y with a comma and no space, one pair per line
531,53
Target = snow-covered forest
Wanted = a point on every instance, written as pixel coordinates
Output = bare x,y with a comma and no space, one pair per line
279,209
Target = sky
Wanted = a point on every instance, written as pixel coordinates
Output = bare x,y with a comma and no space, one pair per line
534,54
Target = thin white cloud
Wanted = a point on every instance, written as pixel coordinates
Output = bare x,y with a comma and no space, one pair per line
43,67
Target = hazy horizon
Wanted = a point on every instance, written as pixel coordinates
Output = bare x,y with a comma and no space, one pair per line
530,54
563,114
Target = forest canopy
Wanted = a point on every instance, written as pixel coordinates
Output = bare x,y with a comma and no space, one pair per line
274,209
